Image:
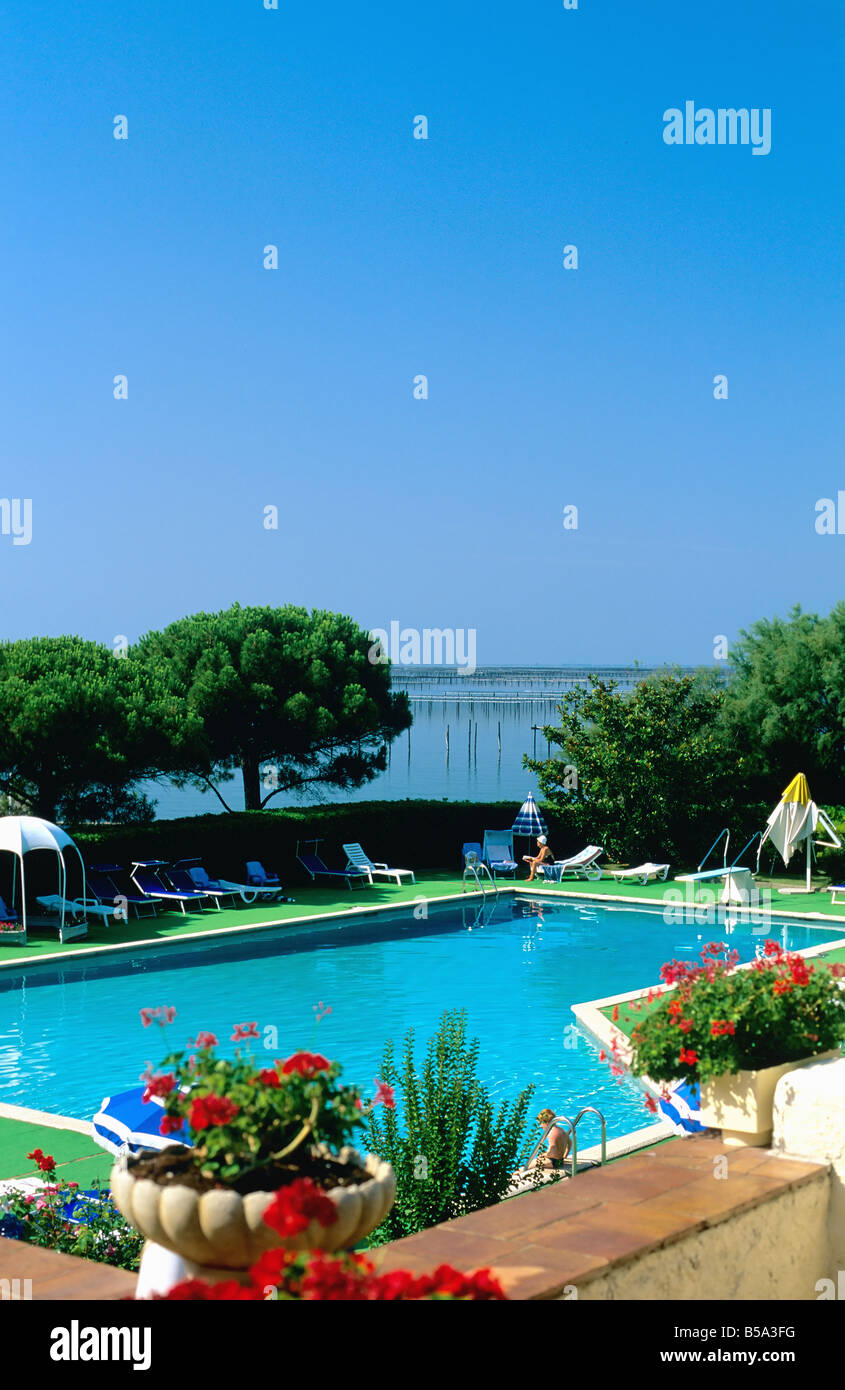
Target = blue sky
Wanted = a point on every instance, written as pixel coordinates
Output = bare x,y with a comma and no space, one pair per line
397,256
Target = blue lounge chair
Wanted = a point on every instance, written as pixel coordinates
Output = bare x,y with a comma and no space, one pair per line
498,852
190,873
313,865
147,875
99,878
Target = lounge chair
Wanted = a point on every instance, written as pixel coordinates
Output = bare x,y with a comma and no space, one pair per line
313,865
104,887
833,889
581,865
470,847
643,872
258,877
7,914
147,875
191,874
357,859
248,892
498,852
78,908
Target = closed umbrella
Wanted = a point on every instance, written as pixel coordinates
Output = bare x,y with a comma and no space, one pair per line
794,821
529,821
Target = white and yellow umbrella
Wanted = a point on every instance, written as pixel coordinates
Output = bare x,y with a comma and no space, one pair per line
796,819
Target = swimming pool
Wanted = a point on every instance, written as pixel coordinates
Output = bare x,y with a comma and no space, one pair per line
71,1034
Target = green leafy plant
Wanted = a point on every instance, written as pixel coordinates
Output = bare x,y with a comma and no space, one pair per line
60,1217
246,1118
453,1152
719,1019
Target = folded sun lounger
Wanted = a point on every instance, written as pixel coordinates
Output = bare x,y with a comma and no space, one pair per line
643,872
313,865
357,859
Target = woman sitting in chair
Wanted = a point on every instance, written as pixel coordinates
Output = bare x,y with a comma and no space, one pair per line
543,856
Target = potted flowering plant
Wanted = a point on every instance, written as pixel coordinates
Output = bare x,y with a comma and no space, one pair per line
281,1275
737,1031
255,1130
10,932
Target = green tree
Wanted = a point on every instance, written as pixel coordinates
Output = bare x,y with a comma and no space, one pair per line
78,727
453,1152
785,703
279,690
649,773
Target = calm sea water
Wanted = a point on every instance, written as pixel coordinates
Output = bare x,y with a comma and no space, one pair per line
70,1035
482,760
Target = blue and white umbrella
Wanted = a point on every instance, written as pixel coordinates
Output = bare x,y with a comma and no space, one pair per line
683,1108
529,821
124,1123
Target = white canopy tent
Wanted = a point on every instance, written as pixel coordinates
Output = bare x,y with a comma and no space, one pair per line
21,835
795,820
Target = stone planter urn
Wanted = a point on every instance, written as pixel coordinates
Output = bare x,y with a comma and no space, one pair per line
219,1232
740,1103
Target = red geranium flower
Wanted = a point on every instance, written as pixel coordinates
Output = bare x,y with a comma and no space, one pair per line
203,1040
294,1207
43,1161
206,1111
159,1086
244,1030
720,1027
169,1124
384,1095
782,987
306,1063
688,1057
268,1077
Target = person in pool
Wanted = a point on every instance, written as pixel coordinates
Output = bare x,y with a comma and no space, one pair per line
559,1142
542,856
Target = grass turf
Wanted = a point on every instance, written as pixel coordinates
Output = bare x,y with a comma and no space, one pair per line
169,926
78,1158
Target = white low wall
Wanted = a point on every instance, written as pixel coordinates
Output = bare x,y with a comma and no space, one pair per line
809,1122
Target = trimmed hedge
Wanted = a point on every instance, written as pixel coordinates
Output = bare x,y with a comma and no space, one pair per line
408,834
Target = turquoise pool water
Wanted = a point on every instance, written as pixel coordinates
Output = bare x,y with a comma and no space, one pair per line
70,1035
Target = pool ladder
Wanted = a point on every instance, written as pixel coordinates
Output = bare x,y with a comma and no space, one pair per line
571,1126
475,868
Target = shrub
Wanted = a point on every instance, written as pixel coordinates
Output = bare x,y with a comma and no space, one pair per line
453,1152
60,1217
414,834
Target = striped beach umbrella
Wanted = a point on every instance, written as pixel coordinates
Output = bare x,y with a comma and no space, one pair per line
124,1123
529,821
683,1107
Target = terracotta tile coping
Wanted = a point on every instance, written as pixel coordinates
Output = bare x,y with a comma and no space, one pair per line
576,1230
59,1277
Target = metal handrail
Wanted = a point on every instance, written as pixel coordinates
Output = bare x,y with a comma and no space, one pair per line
474,868
748,846
727,835
571,1126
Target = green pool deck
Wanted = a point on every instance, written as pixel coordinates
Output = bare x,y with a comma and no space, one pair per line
78,1158
312,903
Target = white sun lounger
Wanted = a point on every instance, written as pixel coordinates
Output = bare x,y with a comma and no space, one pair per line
80,907
643,872
357,859
581,865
